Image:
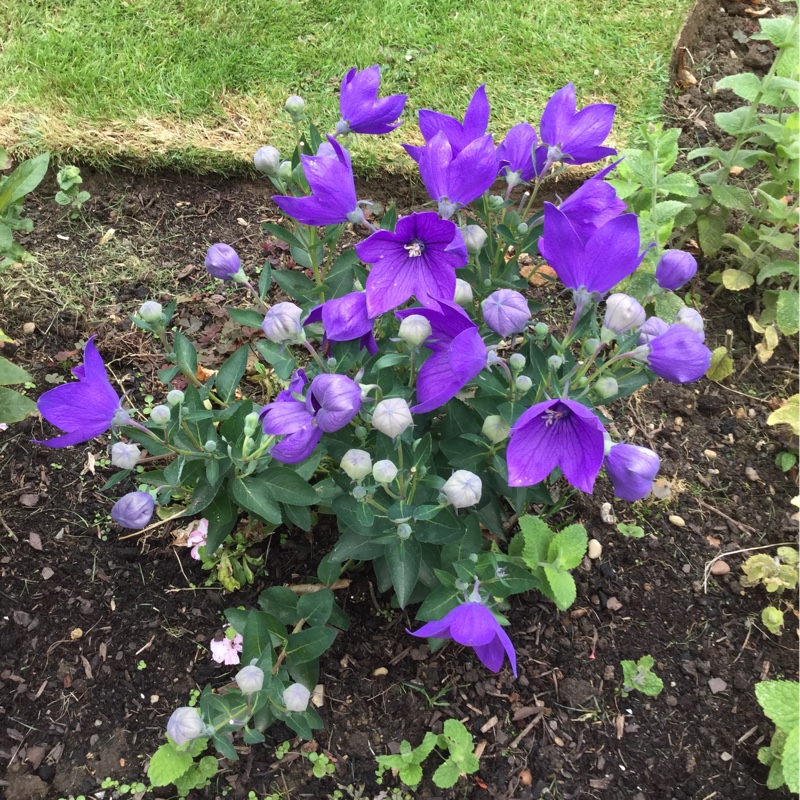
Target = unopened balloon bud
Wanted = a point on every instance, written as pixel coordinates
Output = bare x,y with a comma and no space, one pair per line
160,415
392,416
555,362
356,464
250,679
463,295
251,423
267,160
517,362
522,228
495,202
359,493
361,433
414,330
384,471
295,106
523,384
463,489
175,397
151,312
591,346
541,329
495,429
296,697
124,456
210,446
606,386
404,530
285,171
474,238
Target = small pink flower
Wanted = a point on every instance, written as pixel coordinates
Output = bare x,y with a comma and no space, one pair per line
225,650
197,539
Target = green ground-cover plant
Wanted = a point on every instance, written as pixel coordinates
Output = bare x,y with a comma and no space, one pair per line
69,192
777,574
781,701
639,676
13,188
14,406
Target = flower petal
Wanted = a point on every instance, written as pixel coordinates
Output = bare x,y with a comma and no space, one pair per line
472,624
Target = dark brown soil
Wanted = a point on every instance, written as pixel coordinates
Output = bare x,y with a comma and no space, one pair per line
102,637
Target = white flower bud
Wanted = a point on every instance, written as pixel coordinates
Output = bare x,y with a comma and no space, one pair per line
555,362
125,456
282,324
474,238
495,429
392,416
384,471
623,313
357,464
150,311
160,415
463,295
175,397
414,330
463,489
250,679
267,160
296,697
185,724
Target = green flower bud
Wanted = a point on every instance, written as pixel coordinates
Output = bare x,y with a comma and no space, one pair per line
384,471
210,446
361,433
523,384
555,362
359,492
160,415
495,429
404,530
250,424
591,346
295,106
150,312
516,362
541,329
285,171
606,386
175,397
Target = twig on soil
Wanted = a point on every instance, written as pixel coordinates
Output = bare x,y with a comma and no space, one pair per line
146,646
722,514
150,527
310,588
527,729
7,529
709,564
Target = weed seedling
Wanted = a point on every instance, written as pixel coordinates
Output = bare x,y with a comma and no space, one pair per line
638,675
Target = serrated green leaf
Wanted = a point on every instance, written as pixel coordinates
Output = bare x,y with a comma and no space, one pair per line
410,774
745,85
536,537
780,701
721,365
790,760
666,211
732,197
679,183
168,764
568,547
447,774
710,228
562,587
775,778
11,373
735,122
735,280
788,312
779,267
460,737
738,244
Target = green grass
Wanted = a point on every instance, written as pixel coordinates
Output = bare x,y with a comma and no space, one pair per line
178,80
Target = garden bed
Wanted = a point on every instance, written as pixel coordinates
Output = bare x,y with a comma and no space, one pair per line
102,637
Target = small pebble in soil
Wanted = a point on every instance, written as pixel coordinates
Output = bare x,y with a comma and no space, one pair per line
725,756
661,489
687,568
720,568
710,454
676,520
154,698
380,672
28,328
595,549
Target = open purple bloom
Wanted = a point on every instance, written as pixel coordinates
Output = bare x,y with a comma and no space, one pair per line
458,134
419,258
505,312
333,190
361,110
84,409
474,625
330,403
632,470
454,180
575,137
344,319
515,154
610,254
556,433
678,355
592,205
458,354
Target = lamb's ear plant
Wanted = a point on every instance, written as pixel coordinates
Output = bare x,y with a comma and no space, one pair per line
780,701
639,676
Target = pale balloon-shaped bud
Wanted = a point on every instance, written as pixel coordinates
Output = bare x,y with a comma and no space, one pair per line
414,330
125,456
463,489
185,724
356,464
463,295
392,416
384,471
296,697
495,429
250,679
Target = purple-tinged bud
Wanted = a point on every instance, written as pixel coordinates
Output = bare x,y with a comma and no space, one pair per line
282,324
495,429
632,470
175,397
160,415
623,313
250,679
356,464
606,386
223,262
151,312
125,456
678,355
654,326
296,107
463,293
555,362
523,384
414,330
675,268
267,160
296,697
133,510
463,489
474,238
392,416
505,312
692,319
185,724
384,471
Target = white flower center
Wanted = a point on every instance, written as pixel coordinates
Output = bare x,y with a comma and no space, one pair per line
415,249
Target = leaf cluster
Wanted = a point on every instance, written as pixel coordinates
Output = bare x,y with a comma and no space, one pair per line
638,676
185,766
781,701
14,406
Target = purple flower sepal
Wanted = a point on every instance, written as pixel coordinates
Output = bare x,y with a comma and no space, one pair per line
360,108
330,403
84,409
420,258
456,179
458,354
678,355
458,134
592,205
556,433
333,191
632,470
344,319
473,625
572,136
608,256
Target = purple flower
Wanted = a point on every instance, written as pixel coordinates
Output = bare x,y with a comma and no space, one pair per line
575,137
225,650
474,625
476,120
456,179
185,724
693,320
515,155
419,258
458,354
133,510
84,409
345,319
505,312
675,268
333,190
223,262
678,355
652,327
556,433
608,256
361,110
632,470
197,539
330,403
592,205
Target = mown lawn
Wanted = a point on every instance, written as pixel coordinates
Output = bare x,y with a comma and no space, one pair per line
200,83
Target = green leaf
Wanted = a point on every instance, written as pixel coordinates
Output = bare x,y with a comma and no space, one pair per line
168,764
537,537
231,373
745,85
11,373
679,183
316,607
279,232
721,365
23,180
264,280
309,644
562,587
736,280
286,486
666,211
186,354
447,774
297,515
736,122
294,283
780,701
246,316
403,557
280,357
255,636
731,197
791,760
14,407
339,279
667,305
221,515
458,735
252,494
710,228
788,312
410,774
568,547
